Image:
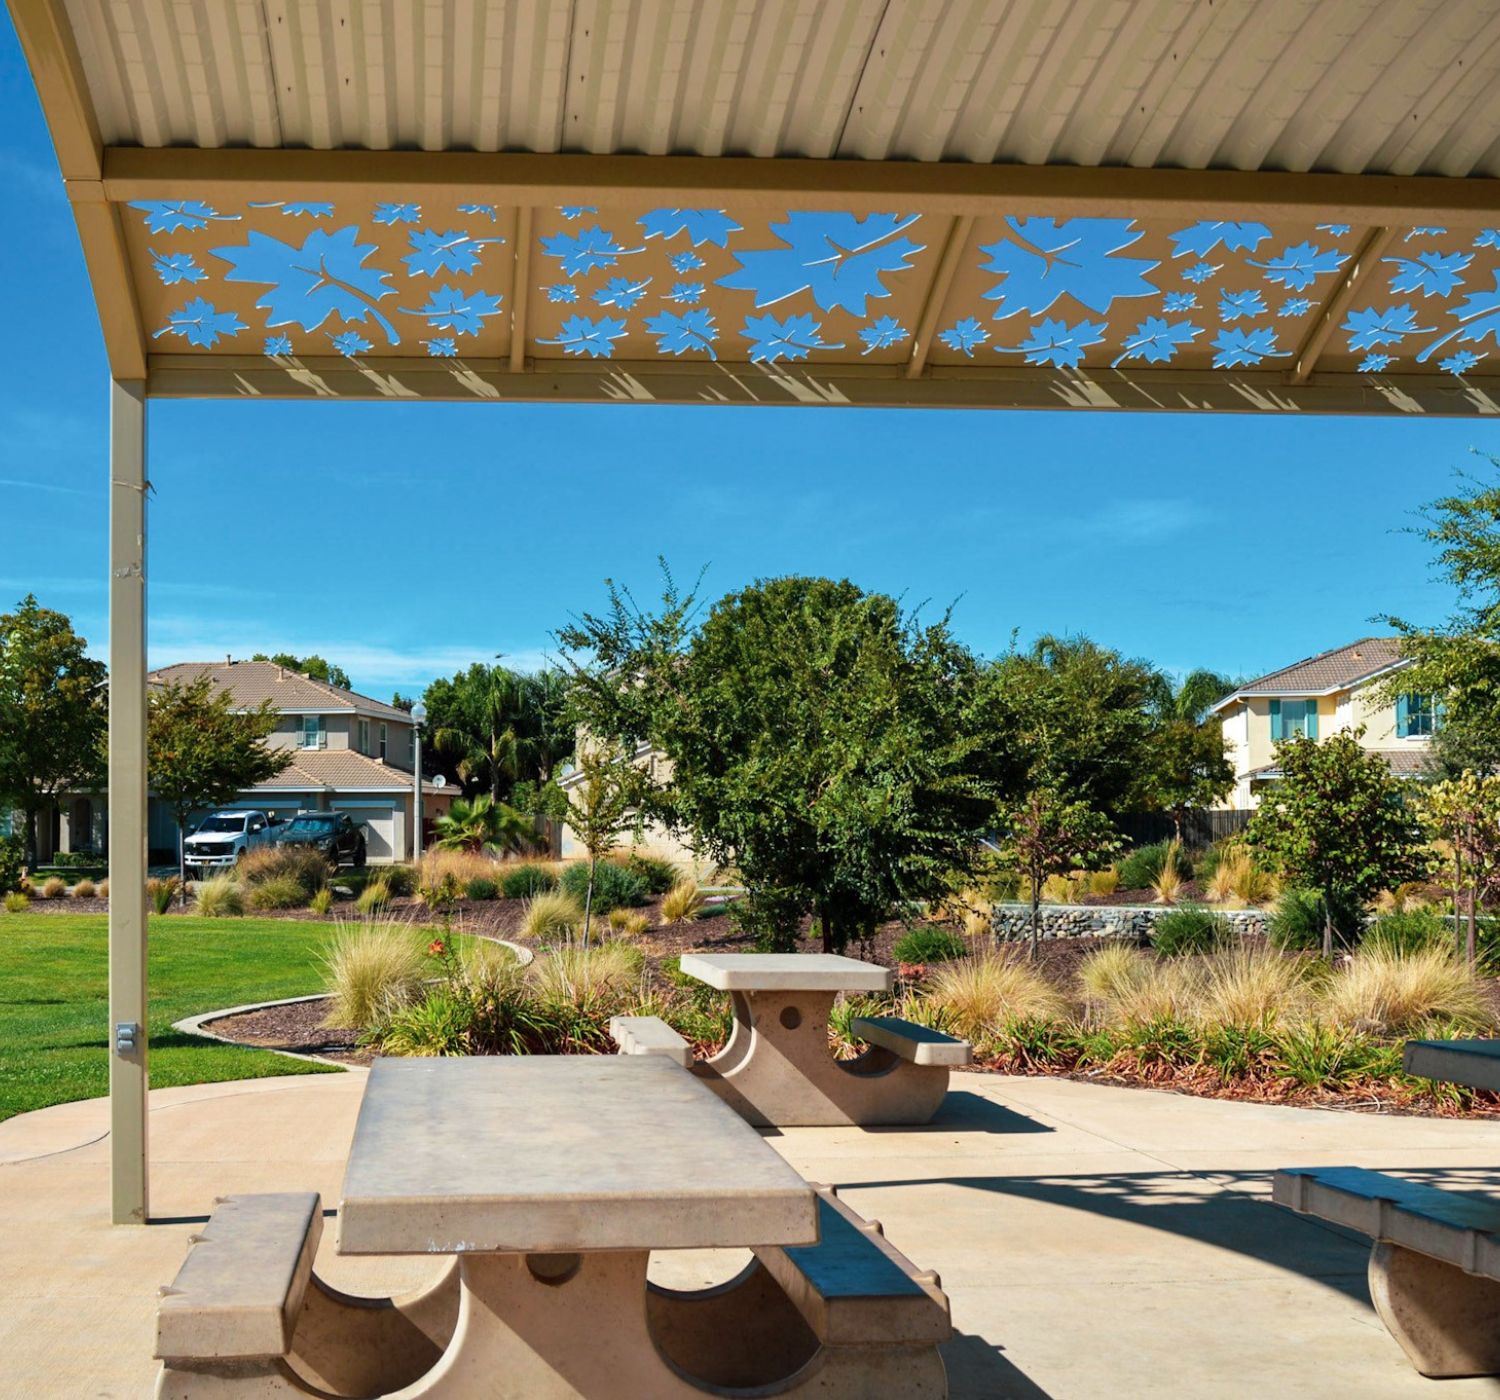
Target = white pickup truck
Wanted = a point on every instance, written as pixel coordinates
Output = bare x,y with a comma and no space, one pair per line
223,837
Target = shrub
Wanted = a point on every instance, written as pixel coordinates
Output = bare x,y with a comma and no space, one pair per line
12,863
300,864
481,887
1143,866
221,898
1125,986
54,887
321,902
16,902
373,898
681,902
1296,923
613,885
1190,930
525,880
1389,992
84,889
281,892
1253,986
551,915
929,945
441,891
371,967
161,893
400,880
976,996
656,874
439,1024
1104,881
1408,932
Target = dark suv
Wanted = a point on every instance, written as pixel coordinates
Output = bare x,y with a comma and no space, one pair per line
332,833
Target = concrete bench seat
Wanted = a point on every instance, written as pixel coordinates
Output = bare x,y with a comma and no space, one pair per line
240,1290
1434,1263
920,1044
649,1035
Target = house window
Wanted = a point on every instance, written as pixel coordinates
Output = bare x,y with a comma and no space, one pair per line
384,736
1416,716
364,736
312,731
1294,719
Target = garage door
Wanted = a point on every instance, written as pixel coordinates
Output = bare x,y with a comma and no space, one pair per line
378,822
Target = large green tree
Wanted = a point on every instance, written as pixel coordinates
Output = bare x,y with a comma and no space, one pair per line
1337,822
1457,661
53,713
202,752
1186,769
314,667
829,745
492,727
1077,717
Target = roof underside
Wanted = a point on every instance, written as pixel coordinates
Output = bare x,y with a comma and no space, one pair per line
1256,204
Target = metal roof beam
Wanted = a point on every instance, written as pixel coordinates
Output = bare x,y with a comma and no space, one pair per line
951,188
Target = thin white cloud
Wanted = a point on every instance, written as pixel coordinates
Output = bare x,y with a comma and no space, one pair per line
19,485
1142,519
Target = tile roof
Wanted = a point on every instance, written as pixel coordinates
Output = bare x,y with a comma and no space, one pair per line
1403,763
344,770
252,682
1327,671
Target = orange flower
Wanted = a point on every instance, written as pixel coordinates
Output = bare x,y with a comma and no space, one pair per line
436,948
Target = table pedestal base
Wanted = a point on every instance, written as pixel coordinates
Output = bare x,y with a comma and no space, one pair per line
567,1327
776,1070
1447,1321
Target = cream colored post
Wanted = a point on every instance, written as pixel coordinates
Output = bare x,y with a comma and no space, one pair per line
128,1078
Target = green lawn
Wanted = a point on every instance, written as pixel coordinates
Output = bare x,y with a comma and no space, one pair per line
54,1007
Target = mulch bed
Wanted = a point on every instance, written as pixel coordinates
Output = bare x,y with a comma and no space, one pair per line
298,1026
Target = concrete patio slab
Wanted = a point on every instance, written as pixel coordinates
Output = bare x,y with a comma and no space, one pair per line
1095,1241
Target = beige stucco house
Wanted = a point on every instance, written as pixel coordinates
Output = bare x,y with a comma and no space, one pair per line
351,753
1336,690
652,838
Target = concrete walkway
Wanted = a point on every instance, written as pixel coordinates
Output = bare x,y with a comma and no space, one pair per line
1096,1242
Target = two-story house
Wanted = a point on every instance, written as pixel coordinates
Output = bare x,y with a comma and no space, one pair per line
350,753
1342,689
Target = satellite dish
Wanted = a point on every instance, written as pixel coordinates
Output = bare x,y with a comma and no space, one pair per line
440,781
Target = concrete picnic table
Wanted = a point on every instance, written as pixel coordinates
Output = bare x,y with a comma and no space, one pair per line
1473,1063
777,1068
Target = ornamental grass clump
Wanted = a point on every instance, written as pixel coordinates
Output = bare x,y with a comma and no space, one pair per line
550,916
279,892
1190,930
161,893
373,898
321,902
681,903
1252,985
1169,883
85,889
1124,986
54,887
976,996
371,968
221,898
16,902
628,923
1389,992
301,864
576,990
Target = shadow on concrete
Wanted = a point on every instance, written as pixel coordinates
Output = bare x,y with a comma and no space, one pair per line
1174,1202
965,1112
978,1371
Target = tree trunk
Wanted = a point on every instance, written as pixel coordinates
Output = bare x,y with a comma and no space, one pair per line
826,920
1457,907
1327,928
182,861
1469,948
31,838
588,899
1177,826
1036,916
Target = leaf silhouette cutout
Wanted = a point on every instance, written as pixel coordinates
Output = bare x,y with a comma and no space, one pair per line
399,213
1300,265
453,251
451,309
1371,327
1433,273
1040,260
621,292
583,252
1157,340
700,225
1480,316
1202,238
686,293
1234,305
966,335
325,277
792,339
173,268
676,334
200,323
880,334
1245,346
169,215
837,257
1056,343
582,336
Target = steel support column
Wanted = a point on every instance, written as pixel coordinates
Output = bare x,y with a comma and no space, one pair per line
128,1077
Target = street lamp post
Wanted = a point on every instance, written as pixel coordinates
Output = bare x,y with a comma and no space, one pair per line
419,715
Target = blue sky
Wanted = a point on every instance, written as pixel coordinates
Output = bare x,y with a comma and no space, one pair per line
404,541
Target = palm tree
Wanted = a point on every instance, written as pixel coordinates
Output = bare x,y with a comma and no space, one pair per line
481,823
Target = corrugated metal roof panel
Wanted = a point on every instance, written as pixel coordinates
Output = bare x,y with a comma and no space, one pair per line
1387,86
